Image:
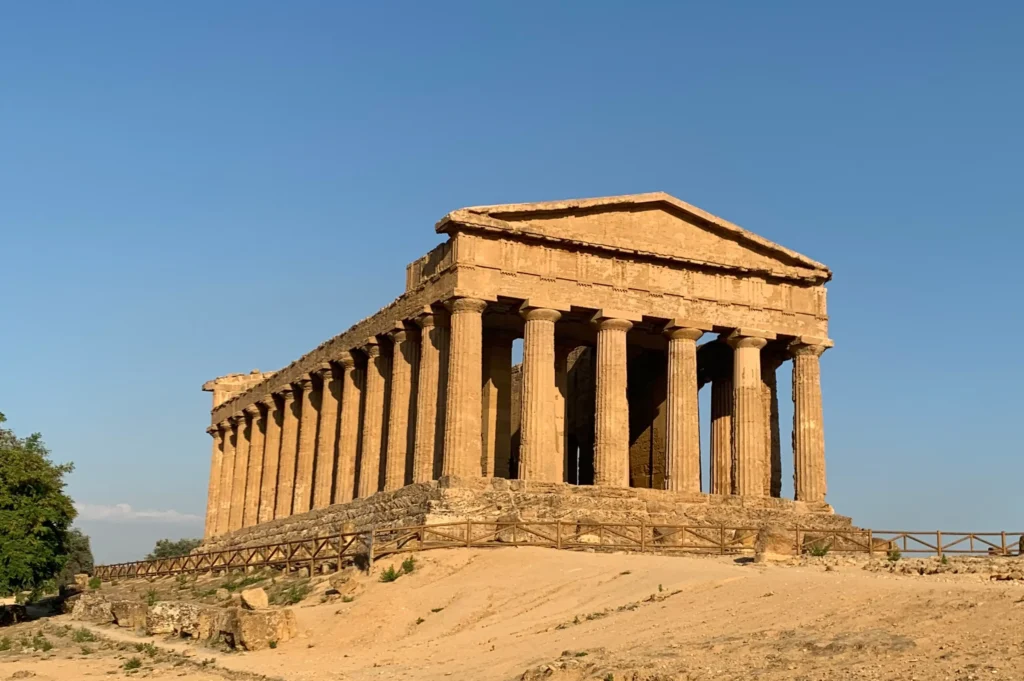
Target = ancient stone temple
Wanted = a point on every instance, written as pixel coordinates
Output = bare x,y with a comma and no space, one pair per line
626,306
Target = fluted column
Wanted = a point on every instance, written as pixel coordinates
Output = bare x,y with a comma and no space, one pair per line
431,393
808,429
682,450
496,400
561,457
373,421
611,420
306,453
213,491
722,458
326,456
289,450
462,444
348,429
254,474
271,460
241,471
227,473
770,362
402,413
537,431
749,422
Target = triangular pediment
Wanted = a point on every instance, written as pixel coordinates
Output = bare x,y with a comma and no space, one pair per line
655,224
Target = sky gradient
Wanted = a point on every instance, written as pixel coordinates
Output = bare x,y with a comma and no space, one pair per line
194,189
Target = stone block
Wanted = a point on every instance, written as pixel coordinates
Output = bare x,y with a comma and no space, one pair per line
174,618
130,614
255,599
92,608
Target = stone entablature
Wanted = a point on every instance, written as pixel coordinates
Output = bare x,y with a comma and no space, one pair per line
423,387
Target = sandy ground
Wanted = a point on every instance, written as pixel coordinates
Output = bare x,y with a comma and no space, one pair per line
530,613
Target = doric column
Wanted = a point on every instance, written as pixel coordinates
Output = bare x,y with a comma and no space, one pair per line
213,492
808,429
682,449
561,458
306,454
770,362
721,435
289,450
749,422
348,435
227,473
401,432
241,471
537,431
373,421
496,399
326,457
462,444
431,393
254,476
611,418
271,460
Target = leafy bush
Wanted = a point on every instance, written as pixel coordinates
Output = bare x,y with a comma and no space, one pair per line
293,594
819,549
894,554
95,582
151,597
390,574
5,643
40,642
166,548
83,635
132,663
35,513
408,565
272,643
147,648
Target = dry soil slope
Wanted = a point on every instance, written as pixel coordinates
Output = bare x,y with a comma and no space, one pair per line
511,613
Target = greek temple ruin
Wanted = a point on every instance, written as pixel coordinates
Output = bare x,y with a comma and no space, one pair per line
626,306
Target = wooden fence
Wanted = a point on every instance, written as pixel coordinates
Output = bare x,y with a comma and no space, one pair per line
333,550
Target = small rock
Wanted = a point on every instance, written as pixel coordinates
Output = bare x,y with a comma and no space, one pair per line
255,599
222,594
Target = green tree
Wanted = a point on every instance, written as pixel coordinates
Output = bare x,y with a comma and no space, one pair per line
79,557
166,548
35,512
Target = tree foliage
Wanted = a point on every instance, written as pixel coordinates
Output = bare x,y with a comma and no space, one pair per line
167,548
79,557
35,513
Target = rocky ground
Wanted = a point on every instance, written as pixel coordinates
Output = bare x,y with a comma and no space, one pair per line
530,614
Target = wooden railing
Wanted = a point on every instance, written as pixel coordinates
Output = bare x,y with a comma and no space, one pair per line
333,550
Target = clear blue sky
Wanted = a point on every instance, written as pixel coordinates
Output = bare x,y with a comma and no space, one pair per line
191,189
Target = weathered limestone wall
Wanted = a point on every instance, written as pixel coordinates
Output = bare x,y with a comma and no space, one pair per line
454,500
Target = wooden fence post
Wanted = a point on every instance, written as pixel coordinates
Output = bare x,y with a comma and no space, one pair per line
938,542
469,533
871,543
1003,533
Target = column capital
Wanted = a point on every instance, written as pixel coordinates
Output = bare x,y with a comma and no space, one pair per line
457,305
224,425
398,334
269,402
347,360
371,346
237,419
212,431
612,324
808,345
287,393
252,410
683,333
749,338
303,383
541,314
325,370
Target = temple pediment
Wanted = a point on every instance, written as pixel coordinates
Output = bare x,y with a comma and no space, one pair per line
655,224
